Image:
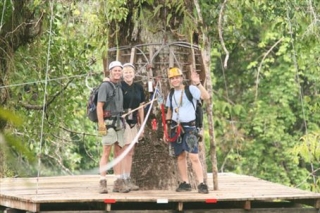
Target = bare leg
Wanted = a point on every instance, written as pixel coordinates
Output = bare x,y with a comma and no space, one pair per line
118,167
182,166
119,184
128,161
196,166
104,160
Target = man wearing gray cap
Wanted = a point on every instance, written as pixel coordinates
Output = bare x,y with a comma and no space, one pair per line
110,124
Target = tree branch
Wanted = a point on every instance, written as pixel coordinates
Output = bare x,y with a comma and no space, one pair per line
260,65
41,107
220,34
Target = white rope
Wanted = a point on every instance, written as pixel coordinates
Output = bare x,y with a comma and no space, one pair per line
133,142
44,96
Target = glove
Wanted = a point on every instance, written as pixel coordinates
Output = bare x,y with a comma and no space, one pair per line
102,130
141,138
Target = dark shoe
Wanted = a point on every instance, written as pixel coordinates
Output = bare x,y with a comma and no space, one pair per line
203,188
131,185
120,186
184,187
103,187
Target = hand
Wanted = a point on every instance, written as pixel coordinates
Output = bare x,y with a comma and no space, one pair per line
165,139
195,78
102,130
141,137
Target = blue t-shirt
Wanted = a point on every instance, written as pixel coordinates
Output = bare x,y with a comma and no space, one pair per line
185,109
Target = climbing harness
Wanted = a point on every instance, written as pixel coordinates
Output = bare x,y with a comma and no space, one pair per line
164,122
178,128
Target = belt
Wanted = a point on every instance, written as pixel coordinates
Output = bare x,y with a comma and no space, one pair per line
190,123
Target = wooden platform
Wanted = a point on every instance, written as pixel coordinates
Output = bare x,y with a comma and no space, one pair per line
237,193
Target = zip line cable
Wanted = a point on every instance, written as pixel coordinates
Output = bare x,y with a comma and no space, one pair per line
181,44
44,81
44,95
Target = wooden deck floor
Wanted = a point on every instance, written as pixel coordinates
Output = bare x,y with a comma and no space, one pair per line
80,193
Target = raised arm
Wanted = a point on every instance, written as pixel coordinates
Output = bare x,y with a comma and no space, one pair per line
195,80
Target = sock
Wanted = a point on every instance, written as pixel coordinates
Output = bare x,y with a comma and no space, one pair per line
102,177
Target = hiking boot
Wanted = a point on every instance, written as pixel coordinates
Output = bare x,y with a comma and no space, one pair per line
203,188
120,186
103,187
131,185
184,187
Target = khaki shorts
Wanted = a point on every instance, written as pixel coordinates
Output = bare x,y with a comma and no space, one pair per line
130,133
113,136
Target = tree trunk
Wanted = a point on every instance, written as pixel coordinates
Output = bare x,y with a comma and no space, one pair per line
17,30
154,44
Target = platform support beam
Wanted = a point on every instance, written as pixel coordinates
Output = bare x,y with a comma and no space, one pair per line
180,206
108,207
247,205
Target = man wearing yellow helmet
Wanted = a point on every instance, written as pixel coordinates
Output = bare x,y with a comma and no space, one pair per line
182,112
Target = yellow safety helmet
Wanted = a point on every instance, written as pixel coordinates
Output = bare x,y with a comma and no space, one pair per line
173,72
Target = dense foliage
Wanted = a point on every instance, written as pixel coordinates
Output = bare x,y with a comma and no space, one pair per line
266,101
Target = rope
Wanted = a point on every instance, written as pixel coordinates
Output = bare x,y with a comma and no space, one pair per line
44,96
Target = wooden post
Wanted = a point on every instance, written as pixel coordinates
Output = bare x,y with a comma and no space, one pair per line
149,70
180,207
108,207
247,205
171,57
132,56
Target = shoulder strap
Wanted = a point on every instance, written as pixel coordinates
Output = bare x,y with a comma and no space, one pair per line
113,87
189,95
134,91
170,97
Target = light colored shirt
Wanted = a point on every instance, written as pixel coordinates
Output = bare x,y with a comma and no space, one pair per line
183,111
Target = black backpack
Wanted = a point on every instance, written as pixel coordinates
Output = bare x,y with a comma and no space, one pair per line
93,99
198,107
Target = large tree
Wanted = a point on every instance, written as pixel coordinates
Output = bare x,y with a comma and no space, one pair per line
156,35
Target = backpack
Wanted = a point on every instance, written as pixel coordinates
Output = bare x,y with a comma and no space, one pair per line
93,99
198,107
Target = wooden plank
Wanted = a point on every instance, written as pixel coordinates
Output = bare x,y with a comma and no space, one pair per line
276,210
31,193
19,204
